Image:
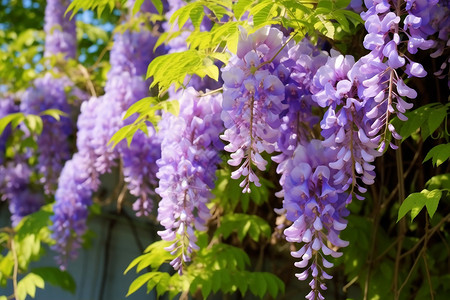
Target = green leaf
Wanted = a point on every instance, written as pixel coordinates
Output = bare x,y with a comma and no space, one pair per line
99,5
244,224
441,181
140,281
155,255
35,222
439,154
54,113
240,7
141,106
157,3
56,277
14,118
414,203
34,123
177,66
433,198
262,13
28,284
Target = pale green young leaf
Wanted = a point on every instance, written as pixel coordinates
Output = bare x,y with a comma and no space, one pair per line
34,123
141,106
123,133
133,263
54,113
14,118
161,281
139,282
28,284
240,7
261,13
163,284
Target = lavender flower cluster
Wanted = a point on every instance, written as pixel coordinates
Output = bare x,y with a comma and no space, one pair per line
190,154
60,30
49,92
252,99
385,34
273,90
317,209
99,119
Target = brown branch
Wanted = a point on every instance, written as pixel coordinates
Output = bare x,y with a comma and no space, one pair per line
402,224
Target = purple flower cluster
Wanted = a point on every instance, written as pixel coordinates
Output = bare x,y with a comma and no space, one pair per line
252,101
15,187
346,125
99,119
49,92
190,154
72,200
296,72
59,29
140,168
316,207
385,34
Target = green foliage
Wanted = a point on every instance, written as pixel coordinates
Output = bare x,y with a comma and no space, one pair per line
98,5
416,201
27,237
28,285
217,267
32,122
438,154
146,109
324,18
157,3
229,194
178,65
56,277
438,186
20,52
244,225
425,119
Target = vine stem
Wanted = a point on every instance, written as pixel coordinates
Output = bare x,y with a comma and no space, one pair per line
16,267
276,54
402,224
425,244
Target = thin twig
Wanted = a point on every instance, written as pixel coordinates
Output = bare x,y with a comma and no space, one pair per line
16,267
201,94
430,233
89,83
402,224
425,244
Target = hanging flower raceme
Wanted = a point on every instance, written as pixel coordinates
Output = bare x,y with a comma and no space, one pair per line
99,119
49,92
346,126
317,209
296,72
15,187
60,30
190,154
385,33
252,101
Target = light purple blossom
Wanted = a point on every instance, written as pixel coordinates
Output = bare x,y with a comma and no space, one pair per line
189,157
